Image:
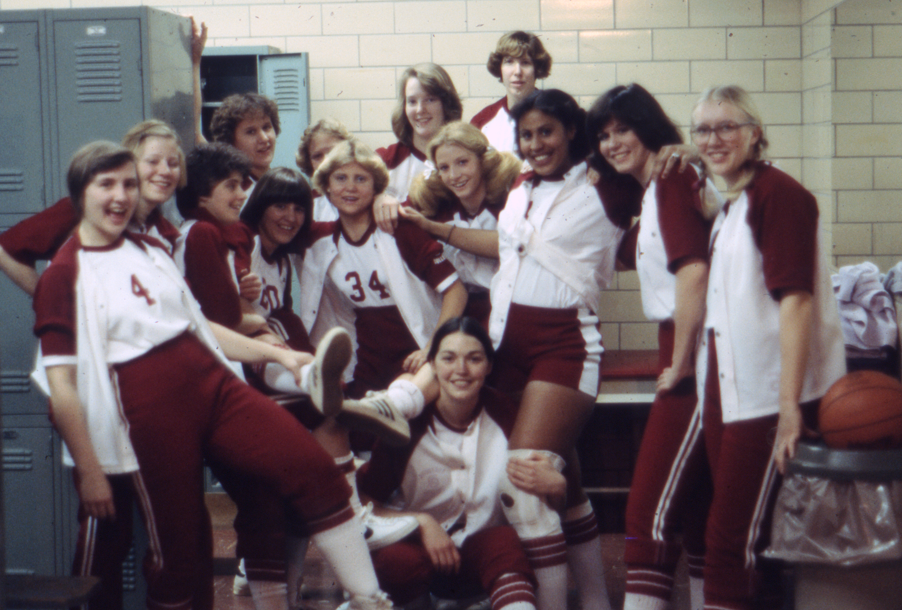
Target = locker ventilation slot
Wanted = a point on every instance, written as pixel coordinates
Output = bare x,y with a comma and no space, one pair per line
287,89
14,381
98,71
18,459
12,180
9,55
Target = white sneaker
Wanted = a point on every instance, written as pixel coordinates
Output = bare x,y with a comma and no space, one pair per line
377,414
383,531
379,601
332,356
240,586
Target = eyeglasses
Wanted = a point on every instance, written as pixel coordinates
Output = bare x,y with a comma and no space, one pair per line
724,131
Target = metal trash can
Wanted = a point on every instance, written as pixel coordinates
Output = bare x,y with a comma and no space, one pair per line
838,522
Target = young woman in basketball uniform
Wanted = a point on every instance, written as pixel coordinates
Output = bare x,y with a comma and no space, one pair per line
113,312
671,483
772,341
427,99
557,250
519,59
448,478
395,289
102,544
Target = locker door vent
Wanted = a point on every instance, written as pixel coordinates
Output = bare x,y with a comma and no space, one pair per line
9,55
17,382
98,67
11,180
15,459
130,570
287,89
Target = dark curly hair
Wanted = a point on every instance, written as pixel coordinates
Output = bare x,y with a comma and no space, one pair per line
237,107
208,165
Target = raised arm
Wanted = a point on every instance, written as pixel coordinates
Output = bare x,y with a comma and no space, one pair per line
22,275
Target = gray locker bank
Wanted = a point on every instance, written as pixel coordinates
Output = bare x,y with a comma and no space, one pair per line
68,77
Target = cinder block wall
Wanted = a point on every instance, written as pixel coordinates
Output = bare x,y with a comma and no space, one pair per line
827,76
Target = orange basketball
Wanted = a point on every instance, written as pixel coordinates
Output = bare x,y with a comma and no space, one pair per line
862,410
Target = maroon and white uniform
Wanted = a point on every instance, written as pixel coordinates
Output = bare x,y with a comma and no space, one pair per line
213,258
451,474
764,243
497,124
557,250
391,285
671,483
476,272
102,545
404,164
137,325
274,302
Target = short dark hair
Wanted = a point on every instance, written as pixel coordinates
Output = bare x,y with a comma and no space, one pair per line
519,44
561,106
208,165
237,107
466,325
90,160
279,185
636,108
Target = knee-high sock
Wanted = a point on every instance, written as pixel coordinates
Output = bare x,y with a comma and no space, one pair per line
407,397
268,595
539,528
513,592
346,466
281,379
295,553
346,551
584,556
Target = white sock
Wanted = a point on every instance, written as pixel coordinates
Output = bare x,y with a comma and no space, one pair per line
344,548
346,465
512,591
635,601
269,595
696,593
584,556
295,554
407,397
282,380
552,586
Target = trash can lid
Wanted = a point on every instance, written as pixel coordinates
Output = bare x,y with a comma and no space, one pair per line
847,464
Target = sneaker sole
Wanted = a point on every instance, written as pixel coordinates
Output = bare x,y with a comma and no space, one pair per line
392,431
332,356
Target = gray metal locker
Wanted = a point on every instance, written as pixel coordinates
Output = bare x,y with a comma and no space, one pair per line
69,77
282,77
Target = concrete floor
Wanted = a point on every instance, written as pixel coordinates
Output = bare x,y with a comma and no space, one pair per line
322,593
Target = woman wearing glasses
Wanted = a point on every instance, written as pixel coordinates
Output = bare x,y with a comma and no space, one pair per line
771,337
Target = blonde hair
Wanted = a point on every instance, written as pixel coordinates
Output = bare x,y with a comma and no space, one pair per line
328,127
352,151
135,138
499,170
520,44
738,97
436,81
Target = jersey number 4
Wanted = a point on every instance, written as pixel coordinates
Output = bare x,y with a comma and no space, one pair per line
374,284
139,291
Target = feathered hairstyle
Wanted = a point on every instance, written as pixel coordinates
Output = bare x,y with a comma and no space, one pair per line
435,80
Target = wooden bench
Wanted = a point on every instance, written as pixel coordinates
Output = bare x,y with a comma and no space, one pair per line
628,377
